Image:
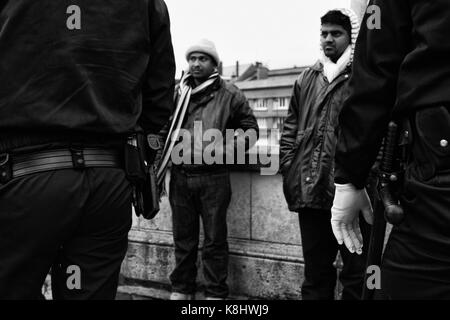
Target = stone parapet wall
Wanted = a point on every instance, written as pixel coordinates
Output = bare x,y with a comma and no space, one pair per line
264,239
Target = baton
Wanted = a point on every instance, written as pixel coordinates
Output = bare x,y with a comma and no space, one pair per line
386,208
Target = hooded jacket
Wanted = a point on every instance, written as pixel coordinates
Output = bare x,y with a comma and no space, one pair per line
310,131
92,72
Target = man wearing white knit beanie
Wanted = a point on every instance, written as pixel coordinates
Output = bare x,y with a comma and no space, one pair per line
204,46
199,188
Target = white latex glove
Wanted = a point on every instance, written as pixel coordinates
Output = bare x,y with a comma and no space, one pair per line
348,202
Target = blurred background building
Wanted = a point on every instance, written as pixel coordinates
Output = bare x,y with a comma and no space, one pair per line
268,93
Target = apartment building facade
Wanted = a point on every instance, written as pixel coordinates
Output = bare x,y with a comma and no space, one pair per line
269,93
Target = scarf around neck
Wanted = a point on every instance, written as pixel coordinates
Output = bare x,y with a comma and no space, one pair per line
186,81
185,93
332,70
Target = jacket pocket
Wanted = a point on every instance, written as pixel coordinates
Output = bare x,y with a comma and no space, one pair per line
293,176
289,157
431,148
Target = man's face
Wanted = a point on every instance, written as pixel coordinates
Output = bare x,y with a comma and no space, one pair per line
334,40
201,66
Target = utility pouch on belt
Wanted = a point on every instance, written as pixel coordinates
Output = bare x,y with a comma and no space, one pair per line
139,166
431,147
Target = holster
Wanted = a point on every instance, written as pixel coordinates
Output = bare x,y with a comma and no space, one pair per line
139,157
390,175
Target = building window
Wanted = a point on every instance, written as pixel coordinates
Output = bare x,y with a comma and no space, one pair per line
281,103
260,104
279,123
262,123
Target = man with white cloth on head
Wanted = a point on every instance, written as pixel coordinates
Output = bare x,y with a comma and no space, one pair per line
307,159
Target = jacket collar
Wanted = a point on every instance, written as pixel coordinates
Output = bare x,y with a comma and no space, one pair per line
214,87
204,97
318,67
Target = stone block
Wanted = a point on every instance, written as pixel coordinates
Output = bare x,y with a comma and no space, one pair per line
258,278
256,270
162,221
238,217
271,219
148,263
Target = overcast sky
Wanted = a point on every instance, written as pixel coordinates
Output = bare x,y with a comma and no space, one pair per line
280,33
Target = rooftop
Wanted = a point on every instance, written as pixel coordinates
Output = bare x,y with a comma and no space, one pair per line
286,81
286,71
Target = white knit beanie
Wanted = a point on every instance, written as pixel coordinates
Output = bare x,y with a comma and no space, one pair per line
204,46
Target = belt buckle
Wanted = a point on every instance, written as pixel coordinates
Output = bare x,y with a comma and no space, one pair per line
78,160
5,168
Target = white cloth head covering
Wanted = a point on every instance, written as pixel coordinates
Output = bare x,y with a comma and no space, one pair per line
330,69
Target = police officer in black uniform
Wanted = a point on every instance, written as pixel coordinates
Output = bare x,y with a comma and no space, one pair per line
76,79
402,72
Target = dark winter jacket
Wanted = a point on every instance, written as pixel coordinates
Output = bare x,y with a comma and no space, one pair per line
221,106
399,68
92,72
309,139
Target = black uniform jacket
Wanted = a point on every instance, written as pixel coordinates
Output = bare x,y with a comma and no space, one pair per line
97,69
398,68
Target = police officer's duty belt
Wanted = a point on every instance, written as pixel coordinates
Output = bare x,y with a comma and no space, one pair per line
16,166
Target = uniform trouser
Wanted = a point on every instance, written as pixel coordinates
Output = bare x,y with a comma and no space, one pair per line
416,262
320,249
205,195
72,222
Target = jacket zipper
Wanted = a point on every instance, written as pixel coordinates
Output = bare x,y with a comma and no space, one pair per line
327,115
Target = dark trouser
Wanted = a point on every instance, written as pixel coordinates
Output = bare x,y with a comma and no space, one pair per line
74,222
191,196
320,249
416,262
